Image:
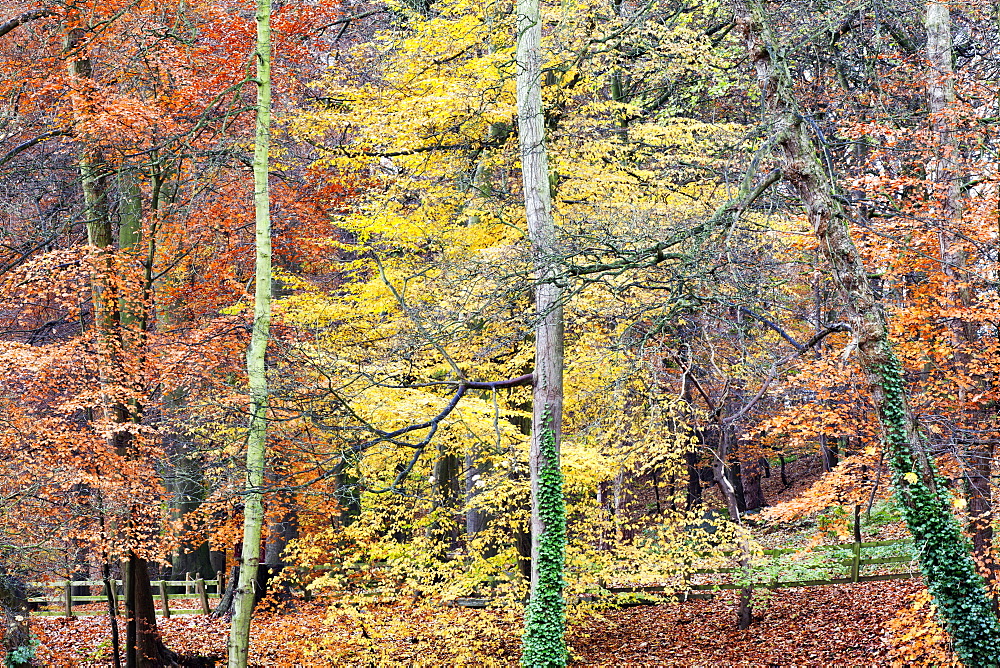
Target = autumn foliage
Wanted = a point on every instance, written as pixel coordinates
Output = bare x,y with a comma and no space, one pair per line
715,400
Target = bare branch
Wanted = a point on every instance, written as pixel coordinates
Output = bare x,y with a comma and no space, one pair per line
17,21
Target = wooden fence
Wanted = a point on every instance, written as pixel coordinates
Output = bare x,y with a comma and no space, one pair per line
853,566
202,590
190,588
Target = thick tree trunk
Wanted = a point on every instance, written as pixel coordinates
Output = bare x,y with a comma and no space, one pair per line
17,642
183,480
829,451
280,533
723,477
734,472
945,560
978,462
752,491
545,617
142,633
253,508
477,519
449,481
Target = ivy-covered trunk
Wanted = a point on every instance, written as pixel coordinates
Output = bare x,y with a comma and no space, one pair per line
944,552
545,617
945,171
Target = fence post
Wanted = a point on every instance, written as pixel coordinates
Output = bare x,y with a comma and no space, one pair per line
199,584
856,548
163,600
220,582
68,598
187,585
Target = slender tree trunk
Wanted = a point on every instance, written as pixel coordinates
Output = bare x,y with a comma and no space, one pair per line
976,453
545,617
723,477
253,508
109,591
944,553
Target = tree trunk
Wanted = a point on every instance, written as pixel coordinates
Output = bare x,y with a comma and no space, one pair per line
17,641
476,519
253,508
543,643
978,462
752,491
734,473
143,636
109,592
225,605
183,481
976,453
693,498
945,560
829,451
143,647
280,533
722,475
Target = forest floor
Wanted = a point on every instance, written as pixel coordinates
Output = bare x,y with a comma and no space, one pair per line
808,626
816,626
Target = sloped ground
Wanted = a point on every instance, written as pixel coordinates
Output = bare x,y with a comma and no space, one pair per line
810,626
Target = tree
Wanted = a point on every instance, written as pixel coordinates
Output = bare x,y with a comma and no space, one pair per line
945,560
253,510
544,623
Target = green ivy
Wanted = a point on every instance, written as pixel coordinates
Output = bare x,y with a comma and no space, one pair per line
23,655
545,619
944,552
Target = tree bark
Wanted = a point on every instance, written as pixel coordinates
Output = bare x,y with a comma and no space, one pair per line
144,647
976,453
253,508
545,617
692,460
17,641
752,491
945,560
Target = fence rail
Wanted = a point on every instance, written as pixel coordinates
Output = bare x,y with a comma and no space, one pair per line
202,590
853,564
191,587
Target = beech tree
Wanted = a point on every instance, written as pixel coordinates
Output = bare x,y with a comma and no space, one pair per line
545,618
253,510
456,199
944,552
